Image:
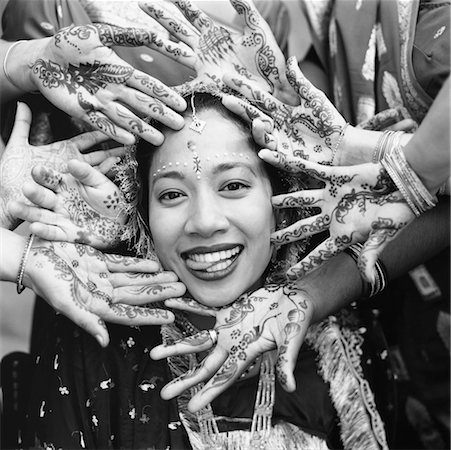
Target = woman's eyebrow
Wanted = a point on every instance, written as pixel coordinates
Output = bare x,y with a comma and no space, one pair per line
177,174
233,165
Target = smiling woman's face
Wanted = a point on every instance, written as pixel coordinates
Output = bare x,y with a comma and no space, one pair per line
210,209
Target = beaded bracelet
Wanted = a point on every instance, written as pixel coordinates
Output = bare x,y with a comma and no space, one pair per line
380,281
338,143
20,287
5,60
387,141
407,181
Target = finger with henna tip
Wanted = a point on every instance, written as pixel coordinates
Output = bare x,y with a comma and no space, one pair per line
131,278
120,263
320,254
227,374
247,111
299,199
209,365
261,137
105,166
46,176
131,315
148,293
301,229
191,305
199,342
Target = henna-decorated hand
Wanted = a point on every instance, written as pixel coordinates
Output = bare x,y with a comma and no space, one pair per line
312,130
81,206
79,73
358,204
91,288
252,51
273,317
19,157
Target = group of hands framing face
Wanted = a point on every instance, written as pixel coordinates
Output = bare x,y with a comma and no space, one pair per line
75,209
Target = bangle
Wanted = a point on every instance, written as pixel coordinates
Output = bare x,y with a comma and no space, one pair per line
380,281
386,142
407,181
338,143
5,61
20,287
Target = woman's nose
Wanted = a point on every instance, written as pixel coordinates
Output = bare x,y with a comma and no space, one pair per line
206,217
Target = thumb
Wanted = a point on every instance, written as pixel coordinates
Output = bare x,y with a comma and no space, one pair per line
22,124
86,174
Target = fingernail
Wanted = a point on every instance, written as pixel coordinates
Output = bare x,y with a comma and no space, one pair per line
100,339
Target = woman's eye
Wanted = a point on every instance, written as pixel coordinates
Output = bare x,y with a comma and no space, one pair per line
170,196
235,186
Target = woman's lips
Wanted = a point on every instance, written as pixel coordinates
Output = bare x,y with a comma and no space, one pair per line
212,265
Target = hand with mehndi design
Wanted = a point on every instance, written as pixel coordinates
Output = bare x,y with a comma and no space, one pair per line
312,130
358,204
19,157
273,317
252,52
81,206
78,72
91,288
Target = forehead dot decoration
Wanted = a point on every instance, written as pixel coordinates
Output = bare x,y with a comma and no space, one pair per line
196,160
197,125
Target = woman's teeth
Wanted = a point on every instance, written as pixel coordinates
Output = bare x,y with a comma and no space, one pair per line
212,262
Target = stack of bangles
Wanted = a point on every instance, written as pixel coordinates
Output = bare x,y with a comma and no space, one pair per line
381,279
19,280
387,141
407,181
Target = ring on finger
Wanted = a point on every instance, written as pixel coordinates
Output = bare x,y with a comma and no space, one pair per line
213,335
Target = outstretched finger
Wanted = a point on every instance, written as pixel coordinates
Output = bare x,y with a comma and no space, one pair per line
253,91
203,371
131,315
246,111
105,166
22,124
261,137
301,229
39,195
46,177
292,338
49,232
199,342
147,293
299,199
86,174
119,263
32,213
171,18
295,164
85,141
195,16
320,254
225,375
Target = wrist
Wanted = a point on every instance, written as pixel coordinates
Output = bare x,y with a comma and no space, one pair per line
357,146
12,248
19,61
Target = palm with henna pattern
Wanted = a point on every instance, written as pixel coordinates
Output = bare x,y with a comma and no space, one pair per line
81,206
19,157
78,71
311,130
358,204
273,317
88,286
252,52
